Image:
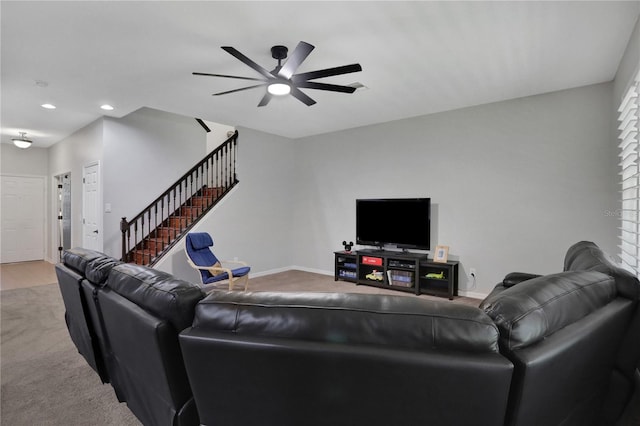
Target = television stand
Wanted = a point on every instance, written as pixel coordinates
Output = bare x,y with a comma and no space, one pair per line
403,271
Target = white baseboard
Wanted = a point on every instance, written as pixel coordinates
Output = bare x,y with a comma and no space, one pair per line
312,270
472,294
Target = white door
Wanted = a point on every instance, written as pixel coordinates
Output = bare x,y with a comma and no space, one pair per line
91,218
23,217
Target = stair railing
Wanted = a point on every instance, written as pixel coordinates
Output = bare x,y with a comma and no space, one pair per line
160,225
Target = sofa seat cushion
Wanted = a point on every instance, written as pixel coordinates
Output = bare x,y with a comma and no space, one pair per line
536,308
395,321
157,292
587,256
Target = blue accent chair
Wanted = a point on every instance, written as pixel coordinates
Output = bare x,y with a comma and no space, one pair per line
199,255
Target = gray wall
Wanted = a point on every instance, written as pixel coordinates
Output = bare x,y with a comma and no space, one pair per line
144,153
513,184
140,155
15,161
253,223
71,155
629,65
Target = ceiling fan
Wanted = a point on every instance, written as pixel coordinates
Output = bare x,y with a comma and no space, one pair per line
282,80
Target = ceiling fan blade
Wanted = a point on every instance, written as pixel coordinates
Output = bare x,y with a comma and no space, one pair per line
227,76
265,99
298,56
232,51
345,69
299,95
324,86
238,90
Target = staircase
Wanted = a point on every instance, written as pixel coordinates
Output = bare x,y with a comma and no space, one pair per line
153,232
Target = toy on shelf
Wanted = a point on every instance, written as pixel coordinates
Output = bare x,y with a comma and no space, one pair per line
375,276
434,275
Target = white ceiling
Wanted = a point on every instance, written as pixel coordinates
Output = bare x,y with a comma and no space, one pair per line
417,58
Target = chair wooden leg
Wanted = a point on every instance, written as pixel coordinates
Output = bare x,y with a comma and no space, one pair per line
246,282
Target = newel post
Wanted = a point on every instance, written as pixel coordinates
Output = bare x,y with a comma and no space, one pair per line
124,227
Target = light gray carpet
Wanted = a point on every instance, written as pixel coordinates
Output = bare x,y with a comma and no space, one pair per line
44,381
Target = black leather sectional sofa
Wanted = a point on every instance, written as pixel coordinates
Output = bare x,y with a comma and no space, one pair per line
560,349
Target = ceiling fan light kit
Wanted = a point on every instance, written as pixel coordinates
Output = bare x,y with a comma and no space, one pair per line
281,80
279,88
22,142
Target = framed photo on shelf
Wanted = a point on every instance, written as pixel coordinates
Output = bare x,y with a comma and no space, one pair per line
441,254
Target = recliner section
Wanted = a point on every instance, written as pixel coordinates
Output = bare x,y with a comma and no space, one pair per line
143,311
562,332
84,328
585,255
319,358
133,315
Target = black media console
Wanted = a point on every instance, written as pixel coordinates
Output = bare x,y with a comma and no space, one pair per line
404,271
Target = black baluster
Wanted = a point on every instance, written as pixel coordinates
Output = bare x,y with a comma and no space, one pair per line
124,227
135,241
155,228
226,171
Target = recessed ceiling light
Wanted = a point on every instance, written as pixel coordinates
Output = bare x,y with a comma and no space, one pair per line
107,107
48,106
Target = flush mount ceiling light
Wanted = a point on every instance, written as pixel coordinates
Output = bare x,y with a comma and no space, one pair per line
106,107
22,141
48,106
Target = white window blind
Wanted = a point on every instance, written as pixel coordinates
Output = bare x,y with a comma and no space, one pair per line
630,178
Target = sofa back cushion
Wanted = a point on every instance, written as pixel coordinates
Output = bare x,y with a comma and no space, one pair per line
314,358
78,258
394,321
157,292
587,256
536,308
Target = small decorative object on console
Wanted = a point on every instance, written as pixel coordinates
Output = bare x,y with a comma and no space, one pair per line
441,254
347,246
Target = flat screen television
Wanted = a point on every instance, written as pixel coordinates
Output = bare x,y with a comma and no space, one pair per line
403,222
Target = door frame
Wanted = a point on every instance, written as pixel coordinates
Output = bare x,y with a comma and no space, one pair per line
53,219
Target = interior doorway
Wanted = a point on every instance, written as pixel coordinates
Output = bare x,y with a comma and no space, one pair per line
63,211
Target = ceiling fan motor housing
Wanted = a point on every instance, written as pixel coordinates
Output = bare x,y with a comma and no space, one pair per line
279,52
